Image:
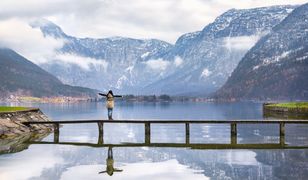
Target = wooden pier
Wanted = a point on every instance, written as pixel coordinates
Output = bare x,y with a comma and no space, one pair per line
147,133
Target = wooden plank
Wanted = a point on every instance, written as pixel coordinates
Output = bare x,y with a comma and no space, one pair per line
56,132
233,133
173,121
282,133
147,133
180,145
187,133
100,133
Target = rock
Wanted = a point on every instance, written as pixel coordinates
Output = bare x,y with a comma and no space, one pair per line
13,126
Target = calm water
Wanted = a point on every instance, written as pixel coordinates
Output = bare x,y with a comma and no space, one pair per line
54,161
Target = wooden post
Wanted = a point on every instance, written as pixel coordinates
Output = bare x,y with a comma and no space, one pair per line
187,130
233,133
282,133
147,133
56,132
100,133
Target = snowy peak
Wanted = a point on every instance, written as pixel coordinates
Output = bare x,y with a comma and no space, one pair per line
48,28
186,38
246,22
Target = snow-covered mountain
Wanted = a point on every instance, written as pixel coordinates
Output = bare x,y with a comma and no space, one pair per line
209,56
199,62
277,66
98,63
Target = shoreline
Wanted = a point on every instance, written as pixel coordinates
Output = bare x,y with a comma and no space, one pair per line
290,110
11,122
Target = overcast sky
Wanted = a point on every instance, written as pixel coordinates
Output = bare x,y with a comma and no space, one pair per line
162,19
142,19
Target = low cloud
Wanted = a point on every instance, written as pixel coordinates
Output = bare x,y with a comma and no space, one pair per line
30,42
162,65
19,36
240,42
86,63
205,73
157,64
178,61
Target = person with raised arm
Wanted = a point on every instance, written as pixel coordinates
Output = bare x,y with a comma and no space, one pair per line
110,102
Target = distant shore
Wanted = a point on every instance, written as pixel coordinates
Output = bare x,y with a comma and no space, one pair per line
30,99
126,98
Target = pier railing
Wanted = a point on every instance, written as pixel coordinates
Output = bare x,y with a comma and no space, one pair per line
147,133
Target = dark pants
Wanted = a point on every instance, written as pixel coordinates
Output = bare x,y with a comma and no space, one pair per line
110,113
110,154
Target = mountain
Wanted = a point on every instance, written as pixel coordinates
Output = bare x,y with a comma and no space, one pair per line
21,77
109,61
199,62
277,66
209,56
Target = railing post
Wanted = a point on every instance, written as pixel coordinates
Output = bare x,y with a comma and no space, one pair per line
147,133
187,129
282,133
100,133
233,133
56,132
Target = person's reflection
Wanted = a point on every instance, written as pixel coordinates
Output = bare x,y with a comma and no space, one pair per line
109,162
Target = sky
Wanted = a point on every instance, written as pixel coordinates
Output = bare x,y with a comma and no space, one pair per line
142,19
161,19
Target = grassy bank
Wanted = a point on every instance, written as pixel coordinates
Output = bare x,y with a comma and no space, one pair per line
289,110
11,109
290,105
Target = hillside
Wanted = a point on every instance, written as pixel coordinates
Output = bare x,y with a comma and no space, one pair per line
277,66
209,56
21,77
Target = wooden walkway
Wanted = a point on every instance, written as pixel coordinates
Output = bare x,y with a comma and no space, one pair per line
147,133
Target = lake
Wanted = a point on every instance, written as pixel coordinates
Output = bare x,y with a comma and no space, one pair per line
54,161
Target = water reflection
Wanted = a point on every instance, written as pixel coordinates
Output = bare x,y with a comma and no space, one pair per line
79,155
109,164
17,144
169,169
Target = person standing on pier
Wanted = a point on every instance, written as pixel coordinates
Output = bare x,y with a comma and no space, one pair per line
110,102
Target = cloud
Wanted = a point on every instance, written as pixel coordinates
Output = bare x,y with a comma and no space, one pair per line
30,43
178,61
205,73
27,164
131,18
84,62
240,42
157,64
170,169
